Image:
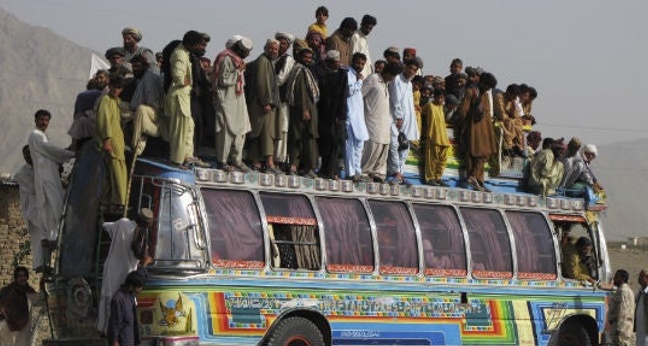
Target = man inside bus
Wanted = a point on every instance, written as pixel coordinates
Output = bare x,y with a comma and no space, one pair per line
576,258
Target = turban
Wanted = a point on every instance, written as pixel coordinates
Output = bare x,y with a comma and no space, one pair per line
132,31
231,41
438,80
115,51
299,45
590,148
286,36
333,55
271,41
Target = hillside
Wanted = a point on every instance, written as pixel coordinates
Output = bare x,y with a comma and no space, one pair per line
40,69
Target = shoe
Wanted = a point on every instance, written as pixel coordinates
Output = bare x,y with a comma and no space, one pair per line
378,179
310,174
356,178
194,162
484,188
242,167
472,182
273,170
226,168
396,181
442,183
406,182
432,183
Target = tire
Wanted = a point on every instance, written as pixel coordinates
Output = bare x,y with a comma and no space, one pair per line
573,334
296,331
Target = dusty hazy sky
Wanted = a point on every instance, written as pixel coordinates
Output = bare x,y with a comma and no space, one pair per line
587,58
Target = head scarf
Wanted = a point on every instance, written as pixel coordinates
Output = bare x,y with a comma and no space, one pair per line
284,35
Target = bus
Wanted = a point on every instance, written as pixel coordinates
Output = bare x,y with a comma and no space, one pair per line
264,259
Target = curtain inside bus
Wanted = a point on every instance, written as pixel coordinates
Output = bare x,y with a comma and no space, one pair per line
349,247
235,229
444,250
294,229
489,243
396,238
535,252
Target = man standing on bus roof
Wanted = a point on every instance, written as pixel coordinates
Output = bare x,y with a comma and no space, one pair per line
575,260
131,38
641,311
375,91
621,310
232,120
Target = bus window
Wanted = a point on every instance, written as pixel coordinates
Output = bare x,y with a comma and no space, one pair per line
536,256
180,242
396,238
348,235
578,258
489,243
444,251
293,232
235,229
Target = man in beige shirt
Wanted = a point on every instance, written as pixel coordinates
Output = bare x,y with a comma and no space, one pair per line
621,310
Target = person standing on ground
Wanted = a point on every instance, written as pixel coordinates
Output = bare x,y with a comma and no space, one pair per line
121,259
15,326
641,310
46,158
123,327
621,310
25,179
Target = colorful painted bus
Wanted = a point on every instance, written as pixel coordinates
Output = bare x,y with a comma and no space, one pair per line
261,259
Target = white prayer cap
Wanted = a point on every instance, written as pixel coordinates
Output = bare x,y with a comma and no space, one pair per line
231,41
246,43
288,37
271,41
333,55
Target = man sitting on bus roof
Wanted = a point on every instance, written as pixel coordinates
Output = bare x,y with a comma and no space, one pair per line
575,260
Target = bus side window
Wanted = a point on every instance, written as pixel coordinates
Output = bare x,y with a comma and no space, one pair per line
349,247
292,227
235,229
489,243
534,244
396,238
444,249
577,263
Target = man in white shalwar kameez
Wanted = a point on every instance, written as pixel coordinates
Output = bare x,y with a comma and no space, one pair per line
25,179
120,260
401,103
375,92
355,122
46,158
359,42
232,119
283,65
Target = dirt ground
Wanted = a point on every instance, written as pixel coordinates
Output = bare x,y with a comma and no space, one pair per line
631,260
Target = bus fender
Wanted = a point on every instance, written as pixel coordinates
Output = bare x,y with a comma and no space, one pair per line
310,314
573,324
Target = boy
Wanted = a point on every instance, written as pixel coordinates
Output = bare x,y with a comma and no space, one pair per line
436,140
321,16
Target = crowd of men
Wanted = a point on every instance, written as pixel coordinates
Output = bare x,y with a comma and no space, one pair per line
326,110
304,113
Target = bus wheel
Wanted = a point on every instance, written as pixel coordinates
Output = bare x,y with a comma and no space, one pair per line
296,331
573,334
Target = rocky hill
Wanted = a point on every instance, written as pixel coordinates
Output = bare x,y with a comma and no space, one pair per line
38,69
